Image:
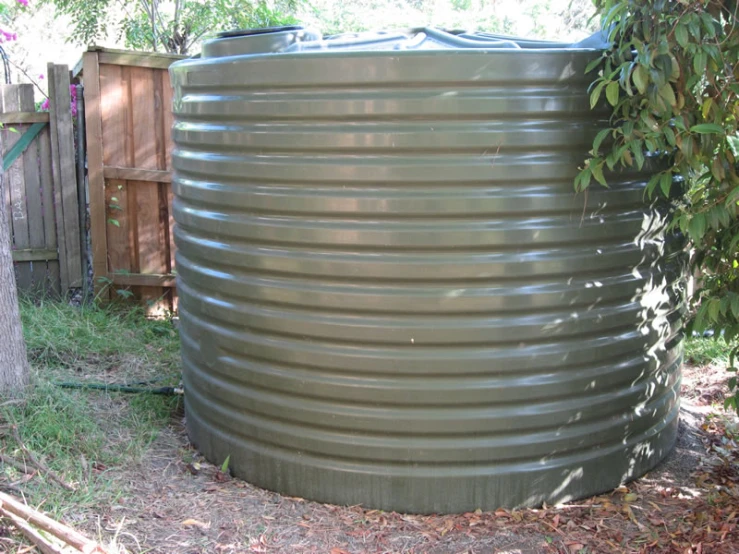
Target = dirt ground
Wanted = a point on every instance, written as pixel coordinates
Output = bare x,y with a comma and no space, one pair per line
175,502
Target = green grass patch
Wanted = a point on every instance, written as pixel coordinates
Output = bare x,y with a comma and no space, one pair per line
87,436
111,338
706,350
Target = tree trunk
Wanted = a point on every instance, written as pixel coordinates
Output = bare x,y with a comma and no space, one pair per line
14,368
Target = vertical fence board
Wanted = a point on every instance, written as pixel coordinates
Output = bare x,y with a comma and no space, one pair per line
119,235
63,141
16,181
94,139
47,199
34,201
148,154
117,152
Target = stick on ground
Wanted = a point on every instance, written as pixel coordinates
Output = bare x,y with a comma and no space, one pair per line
34,536
10,506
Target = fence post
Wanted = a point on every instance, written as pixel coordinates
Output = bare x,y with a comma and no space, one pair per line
95,179
65,177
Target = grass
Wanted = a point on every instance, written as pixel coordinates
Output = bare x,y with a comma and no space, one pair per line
82,434
707,350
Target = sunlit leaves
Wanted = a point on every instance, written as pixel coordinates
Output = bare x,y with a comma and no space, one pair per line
179,25
706,128
612,90
672,83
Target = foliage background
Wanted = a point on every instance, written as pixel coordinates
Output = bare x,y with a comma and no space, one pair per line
58,31
671,83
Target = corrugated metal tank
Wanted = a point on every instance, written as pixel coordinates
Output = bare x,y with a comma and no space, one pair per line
390,294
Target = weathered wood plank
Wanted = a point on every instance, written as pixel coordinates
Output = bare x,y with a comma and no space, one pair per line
17,118
170,226
148,154
117,151
124,57
61,118
143,279
16,181
58,217
168,118
34,203
120,239
163,110
34,255
47,198
96,180
136,174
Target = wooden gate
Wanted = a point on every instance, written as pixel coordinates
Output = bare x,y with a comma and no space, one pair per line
128,107
41,187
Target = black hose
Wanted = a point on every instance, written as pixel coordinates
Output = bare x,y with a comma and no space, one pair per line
164,391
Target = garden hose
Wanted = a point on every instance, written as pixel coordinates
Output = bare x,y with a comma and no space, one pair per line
164,391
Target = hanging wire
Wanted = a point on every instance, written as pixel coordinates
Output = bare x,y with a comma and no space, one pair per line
6,64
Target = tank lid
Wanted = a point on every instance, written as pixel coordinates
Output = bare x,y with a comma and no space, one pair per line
267,40
295,39
261,31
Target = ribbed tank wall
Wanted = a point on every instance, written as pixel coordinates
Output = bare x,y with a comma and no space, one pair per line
390,294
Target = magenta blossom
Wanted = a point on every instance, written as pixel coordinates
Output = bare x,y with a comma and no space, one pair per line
6,36
45,104
24,3
41,77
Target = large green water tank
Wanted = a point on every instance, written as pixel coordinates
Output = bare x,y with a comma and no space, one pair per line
390,294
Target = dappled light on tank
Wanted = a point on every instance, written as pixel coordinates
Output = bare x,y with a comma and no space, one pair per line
391,295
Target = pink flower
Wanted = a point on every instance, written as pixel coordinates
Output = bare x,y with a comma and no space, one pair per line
24,3
45,104
41,77
6,36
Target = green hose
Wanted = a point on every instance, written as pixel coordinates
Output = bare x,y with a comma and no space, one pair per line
164,391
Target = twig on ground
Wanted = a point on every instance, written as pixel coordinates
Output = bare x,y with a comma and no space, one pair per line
10,507
38,464
44,545
20,466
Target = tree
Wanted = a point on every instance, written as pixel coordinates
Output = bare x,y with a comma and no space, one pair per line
173,26
670,80
14,370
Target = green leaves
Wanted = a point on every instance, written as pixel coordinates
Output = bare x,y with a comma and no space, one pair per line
700,59
670,82
599,138
595,94
640,76
706,128
179,25
681,35
612,90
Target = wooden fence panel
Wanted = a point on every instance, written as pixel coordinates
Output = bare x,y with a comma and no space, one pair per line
30,144
128,117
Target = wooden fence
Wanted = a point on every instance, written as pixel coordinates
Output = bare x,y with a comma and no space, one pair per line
128,115
41,188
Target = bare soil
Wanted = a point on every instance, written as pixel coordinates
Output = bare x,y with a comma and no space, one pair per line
176,502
